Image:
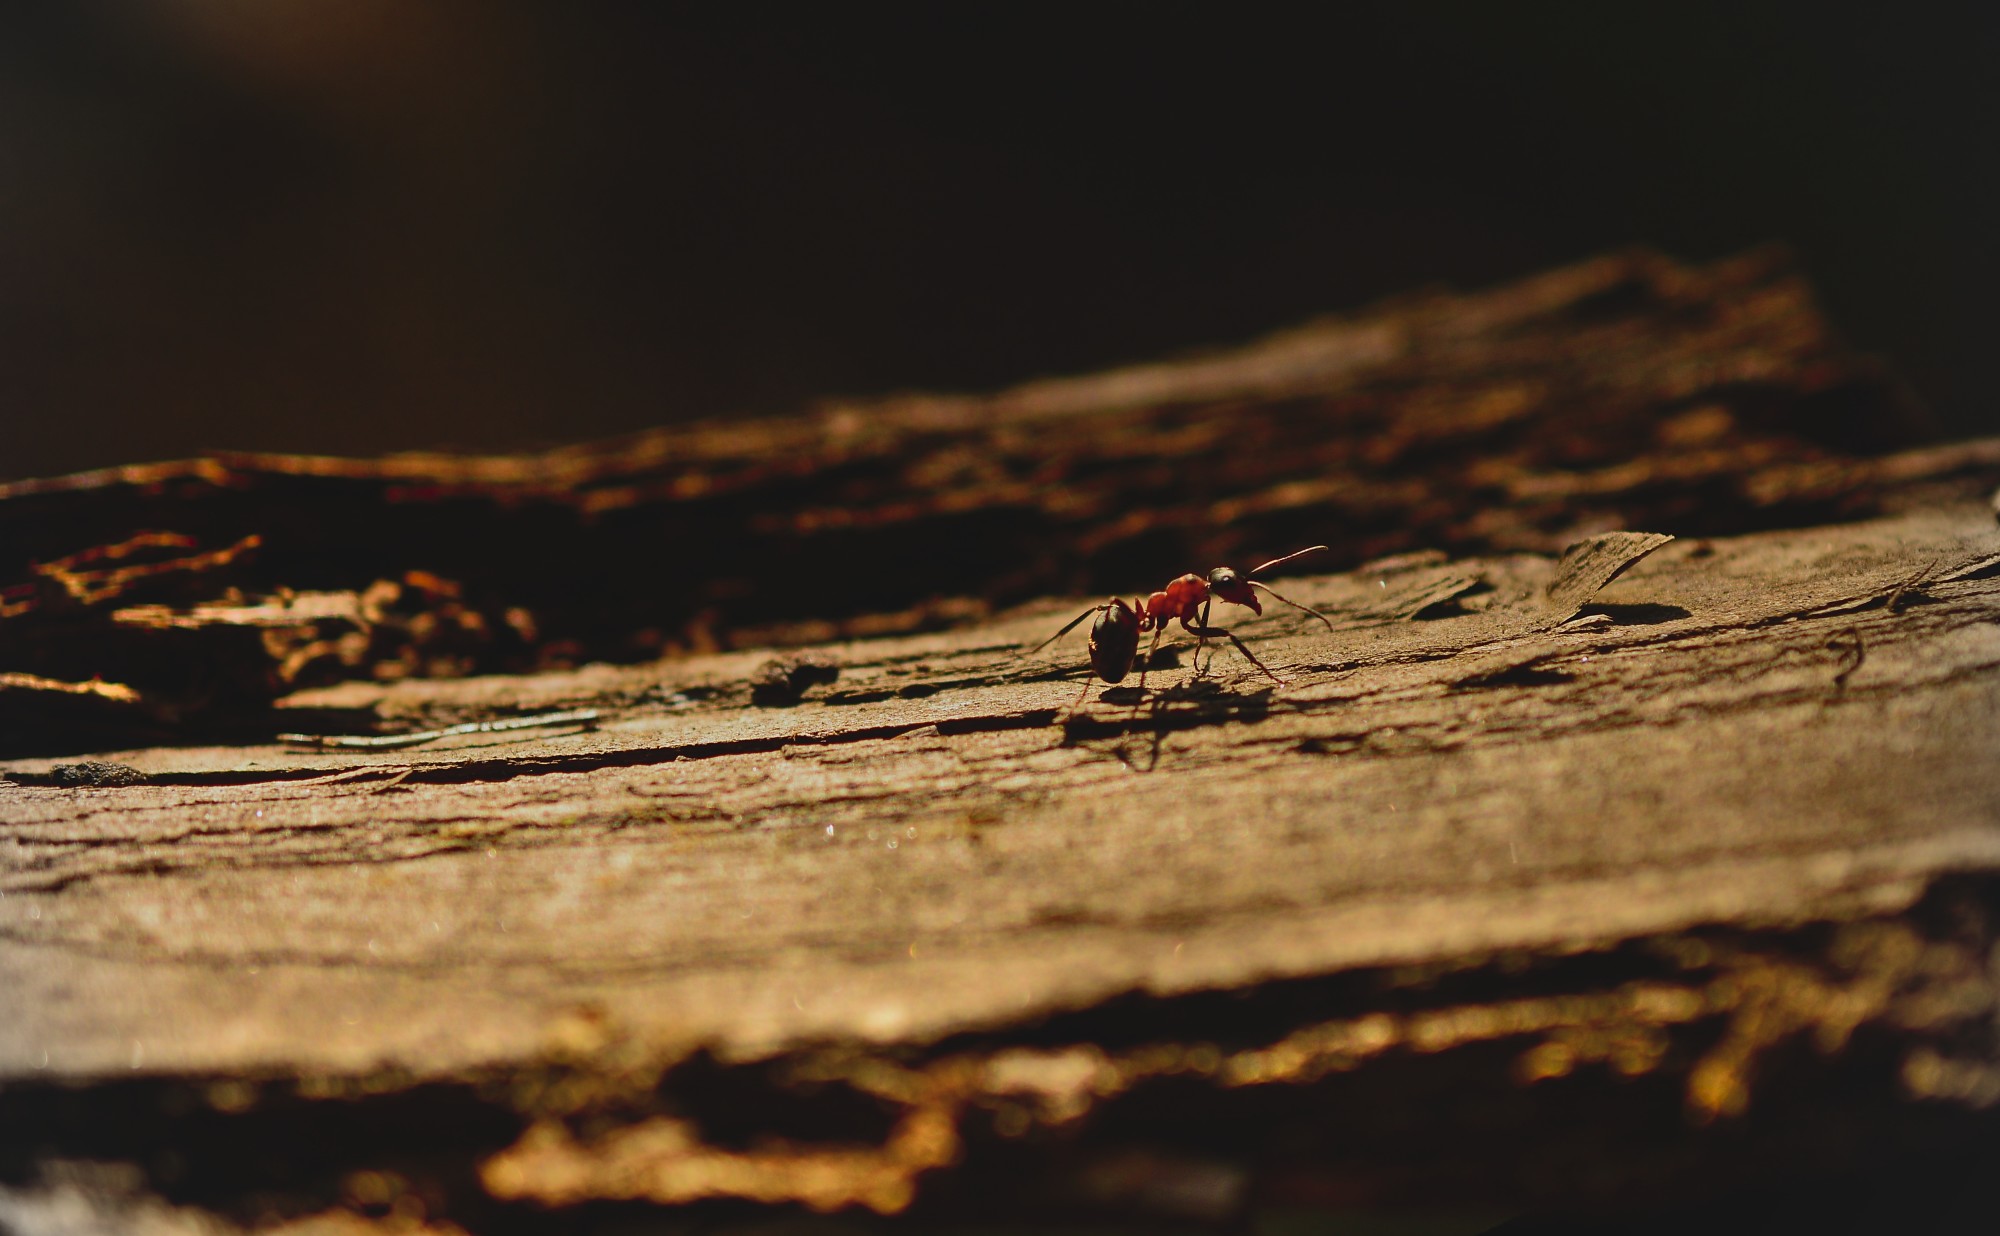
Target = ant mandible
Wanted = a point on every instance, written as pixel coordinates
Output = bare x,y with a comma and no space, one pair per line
1114,637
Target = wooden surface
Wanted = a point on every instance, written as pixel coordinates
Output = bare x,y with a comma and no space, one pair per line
151,603
1648,869
1761,732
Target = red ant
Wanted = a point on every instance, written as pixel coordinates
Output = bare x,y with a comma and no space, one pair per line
1114,637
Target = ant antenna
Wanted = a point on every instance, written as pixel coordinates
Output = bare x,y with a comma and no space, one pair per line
1310,549
1272,592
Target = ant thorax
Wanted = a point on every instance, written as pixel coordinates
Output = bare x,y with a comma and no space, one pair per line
1181,599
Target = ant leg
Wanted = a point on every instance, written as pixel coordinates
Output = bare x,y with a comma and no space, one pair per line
1200,641
1077,703
1067,628
1294,604
1151,649
1222,632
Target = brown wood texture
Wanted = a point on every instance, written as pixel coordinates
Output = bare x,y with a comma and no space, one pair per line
909,883
144,603
1570,864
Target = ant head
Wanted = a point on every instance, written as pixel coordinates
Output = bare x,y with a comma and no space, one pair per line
1228,585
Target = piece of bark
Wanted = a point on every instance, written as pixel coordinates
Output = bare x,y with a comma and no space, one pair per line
1628,391
1710,871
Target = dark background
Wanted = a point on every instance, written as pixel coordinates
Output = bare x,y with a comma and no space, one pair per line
362,225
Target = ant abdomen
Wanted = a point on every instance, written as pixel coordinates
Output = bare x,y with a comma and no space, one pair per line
1114,640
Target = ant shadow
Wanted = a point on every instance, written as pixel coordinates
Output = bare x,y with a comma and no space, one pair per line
1154,713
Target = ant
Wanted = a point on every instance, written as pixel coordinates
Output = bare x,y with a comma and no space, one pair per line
1114,637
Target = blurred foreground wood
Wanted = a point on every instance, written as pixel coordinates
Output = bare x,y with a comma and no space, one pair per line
1645,872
